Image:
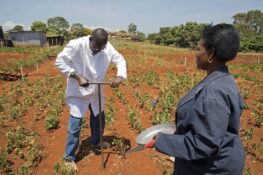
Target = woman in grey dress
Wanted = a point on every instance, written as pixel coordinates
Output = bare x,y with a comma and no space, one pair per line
207,138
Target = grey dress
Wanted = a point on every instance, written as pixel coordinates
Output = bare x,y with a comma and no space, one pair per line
207,138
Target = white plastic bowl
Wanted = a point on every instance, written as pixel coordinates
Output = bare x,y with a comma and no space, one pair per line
145,136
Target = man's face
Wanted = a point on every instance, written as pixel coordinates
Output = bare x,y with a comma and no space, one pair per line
97,46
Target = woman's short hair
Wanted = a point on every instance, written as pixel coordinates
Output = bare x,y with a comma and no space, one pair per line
223,40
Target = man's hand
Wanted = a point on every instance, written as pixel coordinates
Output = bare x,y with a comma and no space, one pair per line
82,81
151,143
116,83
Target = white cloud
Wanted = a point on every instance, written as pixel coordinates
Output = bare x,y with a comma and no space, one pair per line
10,24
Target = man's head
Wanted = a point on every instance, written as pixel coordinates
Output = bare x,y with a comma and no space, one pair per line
98,40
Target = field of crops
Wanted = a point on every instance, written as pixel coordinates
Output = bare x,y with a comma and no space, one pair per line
33,114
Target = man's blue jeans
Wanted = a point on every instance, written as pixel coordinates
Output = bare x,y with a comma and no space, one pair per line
74,127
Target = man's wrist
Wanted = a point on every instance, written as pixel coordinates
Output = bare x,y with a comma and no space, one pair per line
75,75
71,74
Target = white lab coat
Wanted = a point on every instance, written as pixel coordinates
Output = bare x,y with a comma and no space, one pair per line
77,56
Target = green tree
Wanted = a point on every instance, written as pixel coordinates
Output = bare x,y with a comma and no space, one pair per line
141,36
87,31
182,36
250,28
39,26
77,30
253,18
244,30
187,35
158,40
18,28
152,37
166,37
132,28
58,25
239,18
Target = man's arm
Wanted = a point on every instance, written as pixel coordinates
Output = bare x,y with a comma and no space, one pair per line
64,59
120,63
64,63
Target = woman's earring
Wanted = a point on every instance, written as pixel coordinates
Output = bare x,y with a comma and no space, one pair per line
210,60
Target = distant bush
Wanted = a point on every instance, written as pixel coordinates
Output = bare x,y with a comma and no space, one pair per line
185,36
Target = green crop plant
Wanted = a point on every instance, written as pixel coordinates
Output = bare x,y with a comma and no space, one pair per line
143,98
257,112
24,144
161,117
120,95
245,92
260,149
61,167
110,111
258,67
120,145
134,121
52,121
45,94
247,134
166,100
5,163
245,105
248,78
256,149
258,119
24,94
150,78
22,50
24,169
247,171
38,57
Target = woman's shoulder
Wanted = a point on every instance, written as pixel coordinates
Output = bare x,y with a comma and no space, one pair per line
225,85
224,82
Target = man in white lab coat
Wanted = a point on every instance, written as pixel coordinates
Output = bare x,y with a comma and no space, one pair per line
85,60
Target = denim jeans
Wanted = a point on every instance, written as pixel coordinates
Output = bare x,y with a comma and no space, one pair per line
74,127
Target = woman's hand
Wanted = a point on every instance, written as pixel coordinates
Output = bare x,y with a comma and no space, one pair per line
151,143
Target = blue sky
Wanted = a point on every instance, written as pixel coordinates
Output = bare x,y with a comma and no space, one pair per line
148,15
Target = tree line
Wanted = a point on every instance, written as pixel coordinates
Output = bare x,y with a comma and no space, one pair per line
249,25
59,26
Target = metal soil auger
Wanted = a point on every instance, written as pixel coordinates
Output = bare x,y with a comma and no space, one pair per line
100,117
